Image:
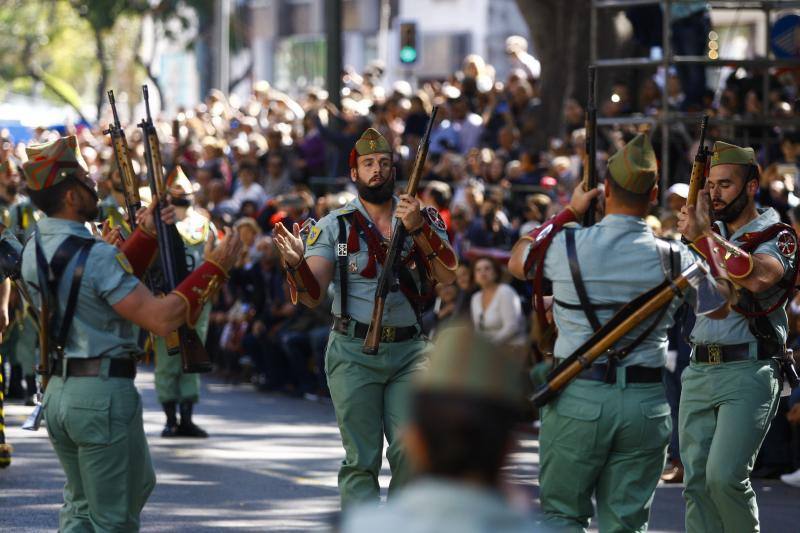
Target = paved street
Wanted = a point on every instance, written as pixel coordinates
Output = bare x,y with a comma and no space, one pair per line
270,466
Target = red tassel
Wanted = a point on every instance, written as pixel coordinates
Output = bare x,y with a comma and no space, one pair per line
353,245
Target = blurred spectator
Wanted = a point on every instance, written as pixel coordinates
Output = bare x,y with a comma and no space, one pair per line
496,308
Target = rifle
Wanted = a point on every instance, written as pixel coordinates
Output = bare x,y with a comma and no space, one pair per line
194,356
698,179
625,320
389,279
589,170
130,182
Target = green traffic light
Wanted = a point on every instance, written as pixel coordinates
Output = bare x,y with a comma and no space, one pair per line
408,54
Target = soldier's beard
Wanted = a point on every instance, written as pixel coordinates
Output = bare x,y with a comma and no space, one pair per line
89,212
378,194
731,211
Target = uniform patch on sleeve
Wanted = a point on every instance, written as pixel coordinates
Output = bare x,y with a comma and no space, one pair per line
434,218
124,263
787,244
313,235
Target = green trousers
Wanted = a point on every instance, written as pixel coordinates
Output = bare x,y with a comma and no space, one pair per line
605,440
95,426
172,385
725,413
371,395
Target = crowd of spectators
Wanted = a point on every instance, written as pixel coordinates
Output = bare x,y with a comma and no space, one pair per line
274,157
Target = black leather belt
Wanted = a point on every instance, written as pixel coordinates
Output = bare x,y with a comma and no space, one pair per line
388,333
81,368
714,354
633,374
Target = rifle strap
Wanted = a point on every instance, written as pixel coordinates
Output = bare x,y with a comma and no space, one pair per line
577,280
341,259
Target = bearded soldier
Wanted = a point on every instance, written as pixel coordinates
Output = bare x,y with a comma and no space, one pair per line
606,434
348,247
731,388
91,406
177,390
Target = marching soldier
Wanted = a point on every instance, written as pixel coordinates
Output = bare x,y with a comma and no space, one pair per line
607,432
731,387
19,345
473,387
348,247
175,389
92,408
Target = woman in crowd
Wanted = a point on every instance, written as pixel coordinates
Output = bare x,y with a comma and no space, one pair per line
496,307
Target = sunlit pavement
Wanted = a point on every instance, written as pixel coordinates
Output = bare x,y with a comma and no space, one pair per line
270,465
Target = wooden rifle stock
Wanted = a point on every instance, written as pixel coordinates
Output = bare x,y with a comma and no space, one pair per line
130,183
388,279
194,356
697,181
589,170
582,359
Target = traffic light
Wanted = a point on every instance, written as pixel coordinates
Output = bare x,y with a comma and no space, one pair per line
408,43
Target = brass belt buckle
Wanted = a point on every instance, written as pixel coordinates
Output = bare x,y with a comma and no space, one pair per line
714,354
388,333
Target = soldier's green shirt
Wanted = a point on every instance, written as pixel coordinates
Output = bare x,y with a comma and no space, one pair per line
97,330
733,329
322,242
619,260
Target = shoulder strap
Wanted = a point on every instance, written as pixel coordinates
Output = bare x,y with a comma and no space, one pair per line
577,279
74,289
55,269
341,258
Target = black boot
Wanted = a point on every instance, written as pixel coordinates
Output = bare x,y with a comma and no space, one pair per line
15,390
187,428
171,427
30,392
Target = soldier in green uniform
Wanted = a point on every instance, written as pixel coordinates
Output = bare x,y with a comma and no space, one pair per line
464,410
91,406
606,434
175,389
731,388
20,217
347,247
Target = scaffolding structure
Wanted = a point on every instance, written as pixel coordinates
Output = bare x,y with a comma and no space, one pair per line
668,117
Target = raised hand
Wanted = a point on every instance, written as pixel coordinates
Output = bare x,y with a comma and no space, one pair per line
289,244
227,251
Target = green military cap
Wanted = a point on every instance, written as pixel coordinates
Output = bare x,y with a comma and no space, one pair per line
634,168
372,142
730,154
51,163
464,362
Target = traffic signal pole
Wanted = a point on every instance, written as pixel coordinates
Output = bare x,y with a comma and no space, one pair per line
333,51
